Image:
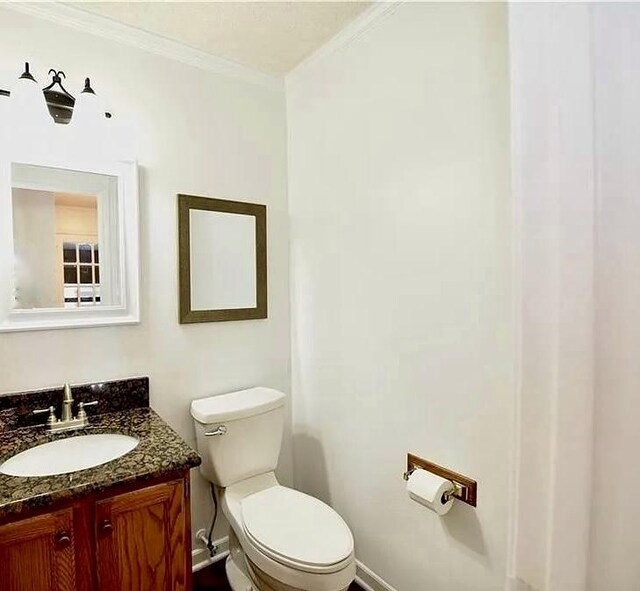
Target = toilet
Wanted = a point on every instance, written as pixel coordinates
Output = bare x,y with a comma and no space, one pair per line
280,539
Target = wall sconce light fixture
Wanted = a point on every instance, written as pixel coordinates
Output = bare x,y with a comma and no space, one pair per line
59,101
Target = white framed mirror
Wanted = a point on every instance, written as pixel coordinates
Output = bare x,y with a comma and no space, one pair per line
69,245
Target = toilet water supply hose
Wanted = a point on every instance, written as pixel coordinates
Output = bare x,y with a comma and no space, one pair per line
210,545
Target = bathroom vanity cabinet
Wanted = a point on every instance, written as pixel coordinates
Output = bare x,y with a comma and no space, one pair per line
37,553
119,525
131,537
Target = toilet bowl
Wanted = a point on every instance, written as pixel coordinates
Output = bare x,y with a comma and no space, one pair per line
281,539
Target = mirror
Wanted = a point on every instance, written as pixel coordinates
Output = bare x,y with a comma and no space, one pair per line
65,238
223,260
69,246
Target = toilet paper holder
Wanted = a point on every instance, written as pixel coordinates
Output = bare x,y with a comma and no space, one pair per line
465,488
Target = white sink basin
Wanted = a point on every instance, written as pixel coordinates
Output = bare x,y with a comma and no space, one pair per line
69,455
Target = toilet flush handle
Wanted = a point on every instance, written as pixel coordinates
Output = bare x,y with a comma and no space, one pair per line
219,430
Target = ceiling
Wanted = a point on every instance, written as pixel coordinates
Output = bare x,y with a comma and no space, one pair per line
271,37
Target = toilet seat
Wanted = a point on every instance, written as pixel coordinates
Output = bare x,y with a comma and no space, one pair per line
297,530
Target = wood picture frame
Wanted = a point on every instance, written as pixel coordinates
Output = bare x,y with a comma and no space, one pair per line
189,203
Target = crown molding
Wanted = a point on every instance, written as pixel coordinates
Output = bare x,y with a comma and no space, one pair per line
379,10
109,29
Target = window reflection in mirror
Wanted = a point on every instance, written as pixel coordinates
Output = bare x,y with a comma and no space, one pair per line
65,235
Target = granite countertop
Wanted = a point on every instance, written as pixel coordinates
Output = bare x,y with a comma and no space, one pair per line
160,451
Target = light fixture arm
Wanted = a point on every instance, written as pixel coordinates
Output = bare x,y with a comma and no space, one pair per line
26,75
87,86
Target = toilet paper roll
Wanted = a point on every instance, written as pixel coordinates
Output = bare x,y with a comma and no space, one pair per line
429,490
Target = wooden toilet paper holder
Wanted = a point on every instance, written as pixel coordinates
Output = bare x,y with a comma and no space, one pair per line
466,489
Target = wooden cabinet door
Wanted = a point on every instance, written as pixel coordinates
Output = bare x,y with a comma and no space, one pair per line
140,538
37,554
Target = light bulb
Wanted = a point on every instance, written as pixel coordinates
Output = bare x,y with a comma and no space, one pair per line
88,110
28,105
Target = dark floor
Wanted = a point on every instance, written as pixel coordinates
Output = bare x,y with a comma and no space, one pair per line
213,578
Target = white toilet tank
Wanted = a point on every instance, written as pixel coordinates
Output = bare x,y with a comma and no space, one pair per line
245,434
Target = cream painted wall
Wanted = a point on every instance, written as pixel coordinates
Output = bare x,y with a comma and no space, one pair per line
199,133
79,221
401,238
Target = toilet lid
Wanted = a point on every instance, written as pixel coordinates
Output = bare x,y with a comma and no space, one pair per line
296,529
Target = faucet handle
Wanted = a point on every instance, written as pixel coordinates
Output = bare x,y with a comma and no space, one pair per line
51,419
82,414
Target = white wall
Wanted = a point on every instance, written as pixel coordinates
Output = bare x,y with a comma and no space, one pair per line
615,518
200,133
552,123
402,286
576,124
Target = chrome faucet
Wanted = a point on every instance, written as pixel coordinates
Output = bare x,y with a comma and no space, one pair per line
66,422
66,414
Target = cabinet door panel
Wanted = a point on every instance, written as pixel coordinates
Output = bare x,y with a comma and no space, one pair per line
141,540
37,554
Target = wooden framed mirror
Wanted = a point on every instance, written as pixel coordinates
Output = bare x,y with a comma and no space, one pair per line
223,259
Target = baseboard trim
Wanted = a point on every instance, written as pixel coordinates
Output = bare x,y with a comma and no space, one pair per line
200,556
369,580
365,577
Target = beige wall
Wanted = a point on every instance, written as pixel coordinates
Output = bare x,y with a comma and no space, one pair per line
197,132
402,287
77,221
